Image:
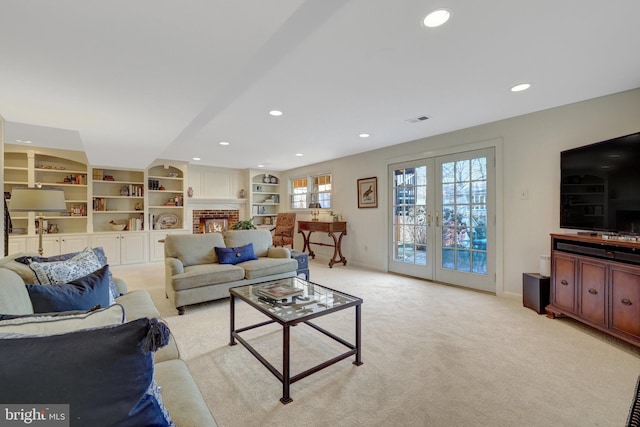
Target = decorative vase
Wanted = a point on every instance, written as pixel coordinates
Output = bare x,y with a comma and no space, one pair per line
190,192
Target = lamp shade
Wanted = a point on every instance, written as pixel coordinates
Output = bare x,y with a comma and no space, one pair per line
37,200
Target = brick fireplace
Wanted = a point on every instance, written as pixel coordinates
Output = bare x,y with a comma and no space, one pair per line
214,219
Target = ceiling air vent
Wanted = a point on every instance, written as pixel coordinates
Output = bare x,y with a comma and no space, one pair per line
417,119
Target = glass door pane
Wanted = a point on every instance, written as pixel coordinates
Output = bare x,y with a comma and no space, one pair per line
411,217
466,181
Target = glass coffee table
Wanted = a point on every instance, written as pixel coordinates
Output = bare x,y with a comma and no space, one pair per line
313,301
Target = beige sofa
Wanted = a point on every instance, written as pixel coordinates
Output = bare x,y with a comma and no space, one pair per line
179,391
193,273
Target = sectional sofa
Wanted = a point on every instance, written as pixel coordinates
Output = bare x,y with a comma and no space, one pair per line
98,366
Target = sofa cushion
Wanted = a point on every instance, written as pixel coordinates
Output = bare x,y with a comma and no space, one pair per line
83,293
59,323
63,368
182,396
14,298
261,240
26,274
268,266
196,276
193,249
235,255
138,304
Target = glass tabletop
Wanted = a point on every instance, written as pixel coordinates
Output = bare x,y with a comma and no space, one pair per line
313,300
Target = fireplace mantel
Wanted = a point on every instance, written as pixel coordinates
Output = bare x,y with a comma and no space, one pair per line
211,201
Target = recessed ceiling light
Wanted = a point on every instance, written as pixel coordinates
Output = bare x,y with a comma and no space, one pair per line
436,18
260,166
275,112
223,143
196,158
23,141
299,154
364,135
520,87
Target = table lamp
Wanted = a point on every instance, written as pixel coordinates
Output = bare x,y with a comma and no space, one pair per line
37,200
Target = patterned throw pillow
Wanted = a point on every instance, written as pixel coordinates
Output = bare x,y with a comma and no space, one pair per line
99,251
57,272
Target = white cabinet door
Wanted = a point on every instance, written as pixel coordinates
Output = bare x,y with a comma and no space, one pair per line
123,248
17,245
50,245
156,244
57,244
110,243
133,248
73,243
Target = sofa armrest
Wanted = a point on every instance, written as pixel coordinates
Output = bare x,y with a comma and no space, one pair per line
174,265
121,286
279,252
14,297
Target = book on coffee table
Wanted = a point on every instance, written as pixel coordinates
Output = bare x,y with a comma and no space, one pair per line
279,291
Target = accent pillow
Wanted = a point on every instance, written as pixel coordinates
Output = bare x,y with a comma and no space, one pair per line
104,374
80,265
235,255
83,293
60,323
99,252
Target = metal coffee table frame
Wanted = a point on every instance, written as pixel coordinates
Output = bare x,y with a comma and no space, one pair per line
313,293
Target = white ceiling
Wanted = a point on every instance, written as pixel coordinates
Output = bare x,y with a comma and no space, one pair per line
132,81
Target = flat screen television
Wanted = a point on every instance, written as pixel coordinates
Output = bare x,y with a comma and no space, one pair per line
600,186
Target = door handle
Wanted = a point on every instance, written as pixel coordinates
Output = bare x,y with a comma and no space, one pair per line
437,219
429,219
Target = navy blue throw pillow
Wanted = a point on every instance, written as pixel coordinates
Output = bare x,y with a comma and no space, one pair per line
105,375
235,255
80,294
99,251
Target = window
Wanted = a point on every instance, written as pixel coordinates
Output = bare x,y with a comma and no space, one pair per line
311,192
299,193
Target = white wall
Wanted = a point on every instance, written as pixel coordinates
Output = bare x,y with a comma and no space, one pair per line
529,159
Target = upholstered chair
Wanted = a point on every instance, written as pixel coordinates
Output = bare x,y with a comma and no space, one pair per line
283,231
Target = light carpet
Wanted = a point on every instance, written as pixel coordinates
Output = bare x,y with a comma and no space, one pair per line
434,355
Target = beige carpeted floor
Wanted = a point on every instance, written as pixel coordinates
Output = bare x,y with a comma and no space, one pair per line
433,355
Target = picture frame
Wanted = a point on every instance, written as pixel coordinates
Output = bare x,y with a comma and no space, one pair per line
368,192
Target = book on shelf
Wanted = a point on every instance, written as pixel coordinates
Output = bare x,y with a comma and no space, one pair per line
99,204
279,291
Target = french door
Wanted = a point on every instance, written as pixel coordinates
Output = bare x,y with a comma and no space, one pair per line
443,219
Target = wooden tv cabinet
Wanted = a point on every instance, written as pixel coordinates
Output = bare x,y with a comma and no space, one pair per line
597,281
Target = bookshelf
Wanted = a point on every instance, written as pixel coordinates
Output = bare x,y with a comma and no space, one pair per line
118,197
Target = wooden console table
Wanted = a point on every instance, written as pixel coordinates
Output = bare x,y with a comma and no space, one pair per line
331,228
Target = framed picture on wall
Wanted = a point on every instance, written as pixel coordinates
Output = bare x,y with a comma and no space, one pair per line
368,192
